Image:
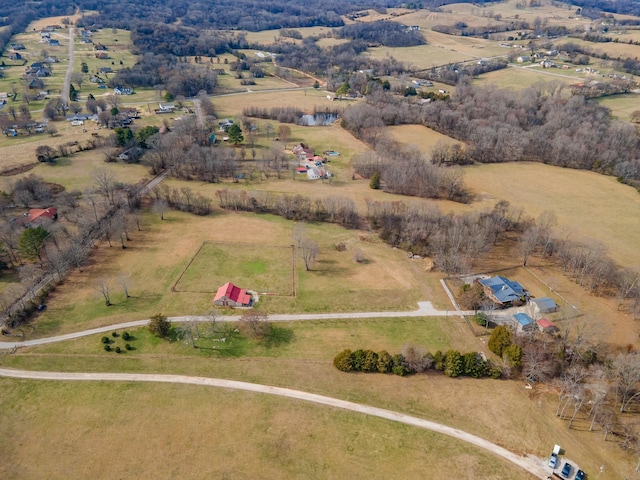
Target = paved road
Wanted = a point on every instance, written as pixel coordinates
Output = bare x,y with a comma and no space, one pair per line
425,309
64,94
532,465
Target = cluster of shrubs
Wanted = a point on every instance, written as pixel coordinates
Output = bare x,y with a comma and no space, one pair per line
106,341
413,360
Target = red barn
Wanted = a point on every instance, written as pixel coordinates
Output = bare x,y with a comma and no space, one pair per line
229,295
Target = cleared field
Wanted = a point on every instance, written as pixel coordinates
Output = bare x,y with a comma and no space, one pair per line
260,267
93,413
267,37
420,136
422,57
621,106
157,256
593,206
520,77
227,435
75,172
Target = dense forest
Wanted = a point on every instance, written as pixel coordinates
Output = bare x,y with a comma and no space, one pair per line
389,34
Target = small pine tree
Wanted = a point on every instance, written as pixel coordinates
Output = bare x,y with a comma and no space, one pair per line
107,347
499,340
118,350
374,184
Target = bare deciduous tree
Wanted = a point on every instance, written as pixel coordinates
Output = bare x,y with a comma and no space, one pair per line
309,252
105,290
626,371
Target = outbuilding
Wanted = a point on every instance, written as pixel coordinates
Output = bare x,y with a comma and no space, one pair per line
229,295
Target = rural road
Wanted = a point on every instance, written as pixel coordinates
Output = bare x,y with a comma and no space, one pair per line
64,94
532,465
425,309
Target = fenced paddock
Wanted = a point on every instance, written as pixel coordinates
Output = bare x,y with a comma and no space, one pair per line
262,268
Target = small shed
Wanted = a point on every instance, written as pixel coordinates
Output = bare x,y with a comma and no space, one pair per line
545,305
546,325
525,322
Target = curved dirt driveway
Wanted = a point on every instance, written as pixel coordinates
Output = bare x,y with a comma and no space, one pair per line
530,465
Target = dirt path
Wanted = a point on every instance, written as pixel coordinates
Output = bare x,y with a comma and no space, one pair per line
531,465
425,309
64,94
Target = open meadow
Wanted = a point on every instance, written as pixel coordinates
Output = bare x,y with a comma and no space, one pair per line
174,266
283,434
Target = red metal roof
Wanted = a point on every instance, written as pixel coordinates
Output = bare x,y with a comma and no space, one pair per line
236,294
545,323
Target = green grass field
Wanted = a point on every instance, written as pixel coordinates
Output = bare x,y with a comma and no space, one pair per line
256,266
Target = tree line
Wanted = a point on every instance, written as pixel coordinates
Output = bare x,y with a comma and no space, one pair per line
414,359
381,32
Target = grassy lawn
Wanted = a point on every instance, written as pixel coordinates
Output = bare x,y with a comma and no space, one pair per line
226,434
259,267
579,193
621,106
158,255
93,413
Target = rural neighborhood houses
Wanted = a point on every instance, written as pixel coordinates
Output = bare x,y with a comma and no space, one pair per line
229,295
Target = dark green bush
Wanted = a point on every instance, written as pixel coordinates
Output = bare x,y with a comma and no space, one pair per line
105,340
118,350
107,347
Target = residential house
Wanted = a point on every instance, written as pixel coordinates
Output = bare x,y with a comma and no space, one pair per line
131,155
165,108
99,46
50,60
54,42
4,97
18,46
547,326
122,91
37,65
45,35
524,322
15,56
106,70
102,56
229,295
225,124
523,58
313,174
37,216
504,292
544,305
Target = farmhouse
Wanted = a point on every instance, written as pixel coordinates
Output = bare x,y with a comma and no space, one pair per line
544,305
504,292
37,216
229,295
165,108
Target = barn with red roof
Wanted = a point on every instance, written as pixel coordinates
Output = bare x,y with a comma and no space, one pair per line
229,295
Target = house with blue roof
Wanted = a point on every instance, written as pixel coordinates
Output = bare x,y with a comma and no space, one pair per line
504,292
525,322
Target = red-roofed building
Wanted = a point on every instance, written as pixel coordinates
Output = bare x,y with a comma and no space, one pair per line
37,216
546,325
231,296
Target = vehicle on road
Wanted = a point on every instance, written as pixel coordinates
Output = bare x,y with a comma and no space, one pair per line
553,461
566,470
580,475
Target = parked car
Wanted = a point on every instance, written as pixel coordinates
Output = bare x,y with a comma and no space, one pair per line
553,461
580,475
566,470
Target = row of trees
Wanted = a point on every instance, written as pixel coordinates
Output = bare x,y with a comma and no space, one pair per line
415,359
406,171
536,124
